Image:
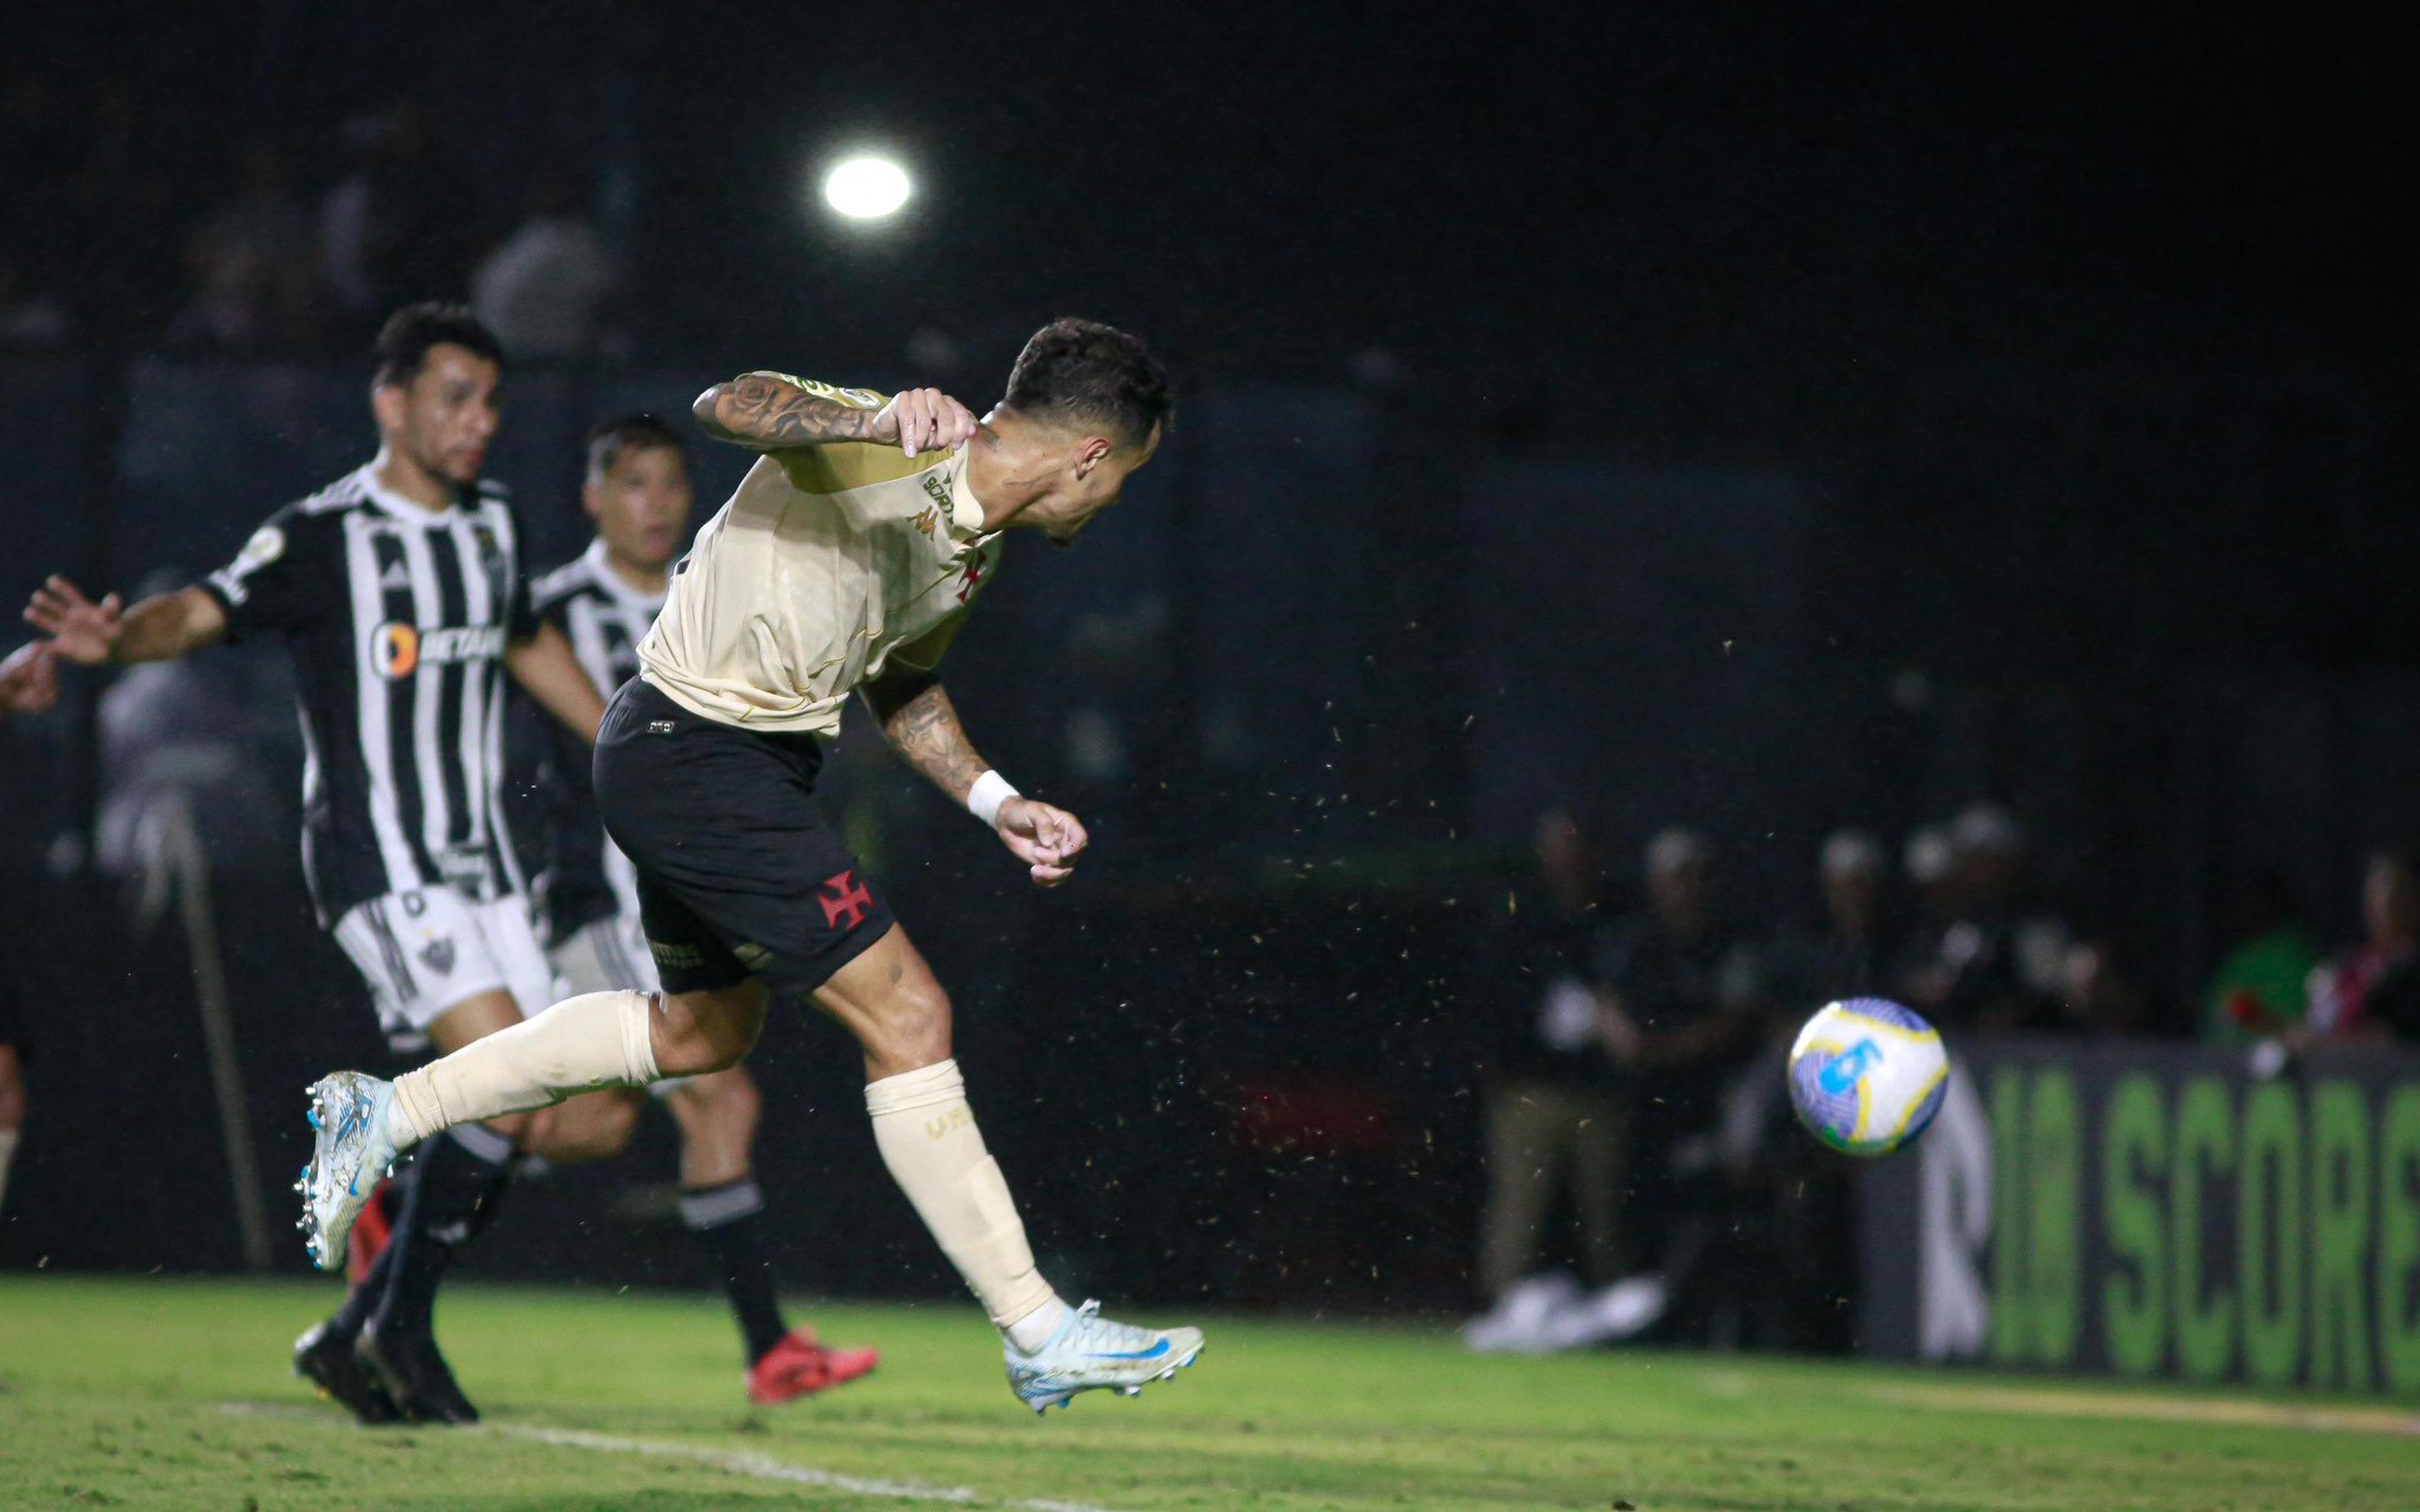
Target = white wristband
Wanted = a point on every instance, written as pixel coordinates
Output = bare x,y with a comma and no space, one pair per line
984,799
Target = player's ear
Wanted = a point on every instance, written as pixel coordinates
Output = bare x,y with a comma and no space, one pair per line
1089,453
389,402
591,498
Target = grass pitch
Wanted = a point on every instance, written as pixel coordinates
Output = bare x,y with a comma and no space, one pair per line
175,1394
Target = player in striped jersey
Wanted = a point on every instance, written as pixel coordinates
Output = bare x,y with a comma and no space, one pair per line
398,592
604,601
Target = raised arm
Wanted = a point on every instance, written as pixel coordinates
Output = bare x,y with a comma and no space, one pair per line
550,673
922,725
771,413
160,628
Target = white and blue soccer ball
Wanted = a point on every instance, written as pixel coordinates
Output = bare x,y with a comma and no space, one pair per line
1866,1075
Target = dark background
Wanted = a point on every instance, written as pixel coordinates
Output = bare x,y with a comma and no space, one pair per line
1763,419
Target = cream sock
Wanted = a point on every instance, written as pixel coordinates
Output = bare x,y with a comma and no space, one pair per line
928,1138
578,1046
8,1153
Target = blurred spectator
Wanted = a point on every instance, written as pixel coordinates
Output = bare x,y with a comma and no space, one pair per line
1930,871
1848,955
2372,990
1682,983
2261,987
2095,997
1990,966
1762,1239
543,290
1555,1121
400,225
255,288
1763,1244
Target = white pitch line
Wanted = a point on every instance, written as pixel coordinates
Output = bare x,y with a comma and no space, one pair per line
754,1466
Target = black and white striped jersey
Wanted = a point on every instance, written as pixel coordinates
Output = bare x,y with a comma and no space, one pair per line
397,618
585,876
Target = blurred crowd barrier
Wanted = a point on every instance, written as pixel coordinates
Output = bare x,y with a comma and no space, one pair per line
2158,1212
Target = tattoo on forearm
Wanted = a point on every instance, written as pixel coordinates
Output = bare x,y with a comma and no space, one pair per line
926,732
757,411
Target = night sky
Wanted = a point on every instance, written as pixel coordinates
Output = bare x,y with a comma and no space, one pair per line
2067,315
1499,189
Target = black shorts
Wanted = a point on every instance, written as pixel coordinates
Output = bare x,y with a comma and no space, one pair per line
738,875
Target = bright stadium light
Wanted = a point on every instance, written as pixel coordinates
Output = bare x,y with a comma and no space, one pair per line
866,188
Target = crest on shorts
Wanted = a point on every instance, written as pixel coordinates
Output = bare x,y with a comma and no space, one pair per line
438,956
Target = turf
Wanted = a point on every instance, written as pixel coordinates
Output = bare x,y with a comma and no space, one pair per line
173,1394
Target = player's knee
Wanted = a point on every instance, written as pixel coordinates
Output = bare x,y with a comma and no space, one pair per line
701,1032
911,1030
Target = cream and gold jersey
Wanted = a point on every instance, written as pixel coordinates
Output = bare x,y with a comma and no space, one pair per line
829,565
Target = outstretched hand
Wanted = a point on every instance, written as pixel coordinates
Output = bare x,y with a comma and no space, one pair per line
1046,840
80,629
29,679
923,419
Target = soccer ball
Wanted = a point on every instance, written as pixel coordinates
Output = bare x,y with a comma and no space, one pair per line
1866,1075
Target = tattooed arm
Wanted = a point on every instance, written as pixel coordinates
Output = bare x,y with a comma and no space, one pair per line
923,727
770,412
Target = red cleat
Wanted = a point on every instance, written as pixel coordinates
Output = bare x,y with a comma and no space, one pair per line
371,1231
799,1366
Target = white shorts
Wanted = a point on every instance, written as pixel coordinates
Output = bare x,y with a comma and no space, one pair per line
606,955
423,951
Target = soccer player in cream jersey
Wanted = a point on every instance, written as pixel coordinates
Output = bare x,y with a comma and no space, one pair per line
844,563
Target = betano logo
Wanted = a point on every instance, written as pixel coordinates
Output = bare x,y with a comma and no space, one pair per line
397,649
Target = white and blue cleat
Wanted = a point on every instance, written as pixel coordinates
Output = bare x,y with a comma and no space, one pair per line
1090,1352
351,1153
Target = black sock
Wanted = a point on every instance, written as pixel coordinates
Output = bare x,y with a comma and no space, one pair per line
451,1194
729,1220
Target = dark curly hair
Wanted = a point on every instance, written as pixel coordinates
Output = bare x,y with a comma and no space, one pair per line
403,342
1093,374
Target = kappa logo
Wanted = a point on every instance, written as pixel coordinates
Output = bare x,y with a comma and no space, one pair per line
438,955
928,522
844,897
